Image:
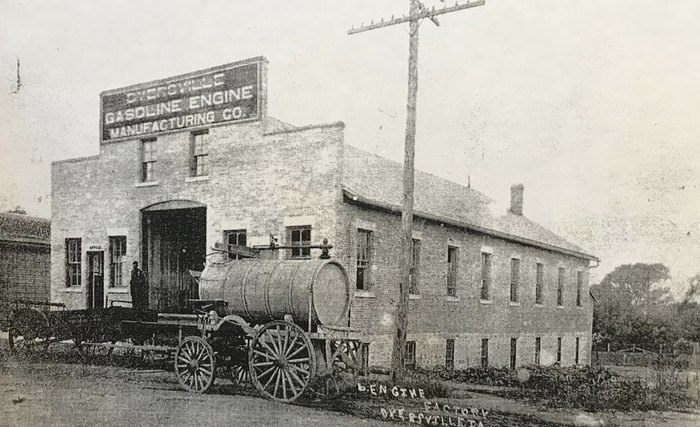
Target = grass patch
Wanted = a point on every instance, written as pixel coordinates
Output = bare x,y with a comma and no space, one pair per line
591,388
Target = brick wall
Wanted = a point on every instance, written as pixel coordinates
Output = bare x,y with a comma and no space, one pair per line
261,179
435,317
265,179
24,274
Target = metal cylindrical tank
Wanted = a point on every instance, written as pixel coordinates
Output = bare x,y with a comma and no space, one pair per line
265,290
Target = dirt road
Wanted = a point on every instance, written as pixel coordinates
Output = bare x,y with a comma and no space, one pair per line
47,393
77,395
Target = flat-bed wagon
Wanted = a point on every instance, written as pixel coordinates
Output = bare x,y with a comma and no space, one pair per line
280,324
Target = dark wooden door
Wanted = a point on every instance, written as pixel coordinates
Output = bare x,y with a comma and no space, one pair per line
96,282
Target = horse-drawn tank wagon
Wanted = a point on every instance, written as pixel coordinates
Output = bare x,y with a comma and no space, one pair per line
280,324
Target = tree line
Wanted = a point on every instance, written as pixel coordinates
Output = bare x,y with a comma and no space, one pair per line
634,308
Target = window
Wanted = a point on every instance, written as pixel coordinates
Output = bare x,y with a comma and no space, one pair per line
200,154
578,341
560,286
579,285
73,262
364,259
148,159
485,276
452,271
450,354
300,238
410,359
415,266
513,352
539,283
235,237
559,350
117,261
484,352
538,349
514,278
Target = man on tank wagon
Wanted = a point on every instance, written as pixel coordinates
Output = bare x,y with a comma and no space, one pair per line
139,293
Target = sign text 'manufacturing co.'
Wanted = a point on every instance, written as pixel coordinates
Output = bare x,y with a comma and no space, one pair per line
219,95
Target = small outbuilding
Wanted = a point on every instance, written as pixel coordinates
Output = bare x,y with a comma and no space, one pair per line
25,259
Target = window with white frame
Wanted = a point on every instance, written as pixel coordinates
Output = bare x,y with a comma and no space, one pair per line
364,259
200,154
117,261
300,238
579,286
560,286
452,263
235,237
73,262
485,276
514,279
539,283
148,159
415,266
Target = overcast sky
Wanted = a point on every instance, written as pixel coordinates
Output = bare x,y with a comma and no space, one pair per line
592,105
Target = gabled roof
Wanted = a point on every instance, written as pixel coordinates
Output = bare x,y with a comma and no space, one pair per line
24,229
376,181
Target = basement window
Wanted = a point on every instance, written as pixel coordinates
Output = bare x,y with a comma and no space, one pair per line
559,350
409,360
484,352
450,353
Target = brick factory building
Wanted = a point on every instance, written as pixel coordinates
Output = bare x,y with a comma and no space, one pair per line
24,260
193,160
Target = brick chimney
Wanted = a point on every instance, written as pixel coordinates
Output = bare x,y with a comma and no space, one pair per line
516,198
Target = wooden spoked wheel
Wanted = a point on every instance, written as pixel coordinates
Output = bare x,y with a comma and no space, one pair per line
29,331
281,361
195,364
240,375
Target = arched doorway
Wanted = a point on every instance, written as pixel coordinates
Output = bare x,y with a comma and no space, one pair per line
174,242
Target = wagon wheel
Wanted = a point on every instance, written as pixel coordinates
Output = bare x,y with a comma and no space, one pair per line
28,331
240,375
282,361
195,364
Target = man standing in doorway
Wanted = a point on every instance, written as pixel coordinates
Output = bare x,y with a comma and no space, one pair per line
139,290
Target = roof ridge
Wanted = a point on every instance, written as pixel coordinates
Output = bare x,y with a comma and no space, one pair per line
427,174
377,180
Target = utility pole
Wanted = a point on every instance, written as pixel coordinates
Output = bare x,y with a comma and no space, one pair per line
417,12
